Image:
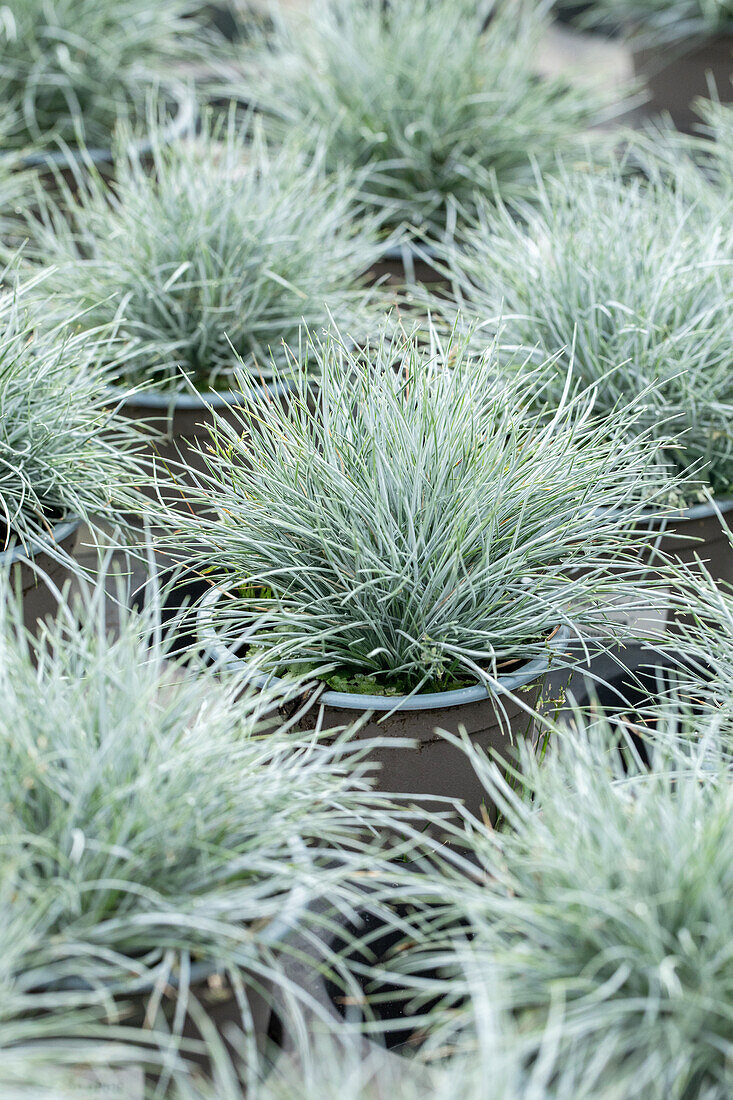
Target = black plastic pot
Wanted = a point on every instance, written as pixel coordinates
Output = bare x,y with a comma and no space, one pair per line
391,1034
626,686
182,422
373,943
41,569
676,74
414,757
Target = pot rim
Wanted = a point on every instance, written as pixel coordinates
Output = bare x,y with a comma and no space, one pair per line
175,400
180,125
38,544
412,249
225,658
695,511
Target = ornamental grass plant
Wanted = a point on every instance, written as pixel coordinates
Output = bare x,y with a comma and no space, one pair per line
422,526
63,452
70,70
701,655
700,164
429,102
215,258
53,1055
166,820
329,1067
633,281
601,901
15,188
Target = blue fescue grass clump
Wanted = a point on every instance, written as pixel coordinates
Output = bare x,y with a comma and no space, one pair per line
428,102
422,525
216,257
631,280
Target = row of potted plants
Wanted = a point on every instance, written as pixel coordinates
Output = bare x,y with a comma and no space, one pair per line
173,853
417,526
69,75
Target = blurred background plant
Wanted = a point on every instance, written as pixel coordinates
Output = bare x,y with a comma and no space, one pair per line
632,282
428,102
70,70
63,452
214,260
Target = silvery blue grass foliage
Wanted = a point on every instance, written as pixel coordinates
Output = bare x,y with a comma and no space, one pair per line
430,102
329,1067
633,282
671,21
603,900
166,819
15,189
420,527
699,164
701,652
217,255
60,1054
716,155
63,452
71,69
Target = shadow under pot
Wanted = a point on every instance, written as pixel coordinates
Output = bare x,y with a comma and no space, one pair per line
678,73
430,766
181,424
41,568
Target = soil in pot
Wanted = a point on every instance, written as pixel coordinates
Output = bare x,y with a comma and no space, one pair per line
677,74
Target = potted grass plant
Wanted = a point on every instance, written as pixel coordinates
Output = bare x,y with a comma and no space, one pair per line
415,544
607,888
682,49
213,260
64,457
175,838
70,70
428,102
61,1055
701,163
634,281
